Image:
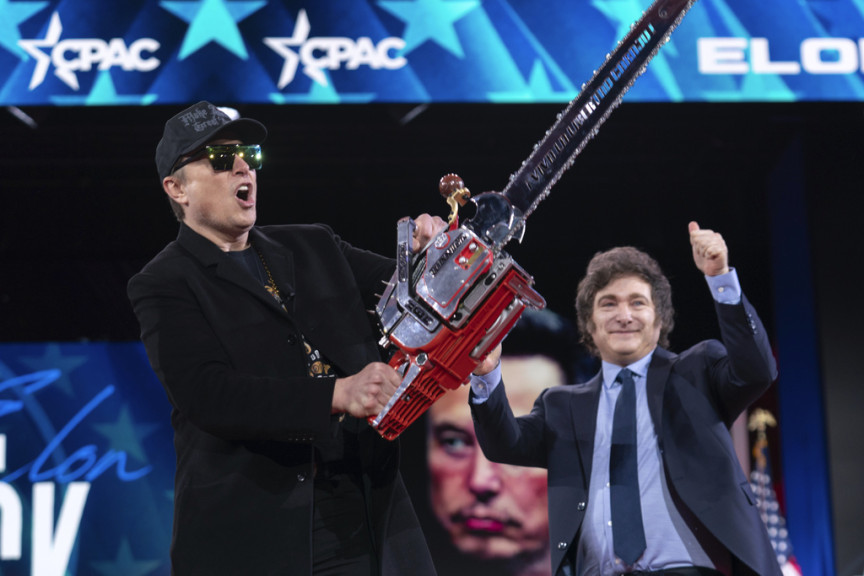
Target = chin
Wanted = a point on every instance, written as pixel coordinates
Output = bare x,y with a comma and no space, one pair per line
248,222
626,355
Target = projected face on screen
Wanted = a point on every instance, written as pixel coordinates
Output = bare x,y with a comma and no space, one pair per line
491,511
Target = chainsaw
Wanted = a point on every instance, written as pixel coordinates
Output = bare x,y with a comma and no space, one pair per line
446,307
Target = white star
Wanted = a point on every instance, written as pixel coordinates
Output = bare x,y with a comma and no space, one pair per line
55,28
281,46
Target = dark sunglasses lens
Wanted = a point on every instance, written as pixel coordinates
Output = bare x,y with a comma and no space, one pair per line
222,157
251,155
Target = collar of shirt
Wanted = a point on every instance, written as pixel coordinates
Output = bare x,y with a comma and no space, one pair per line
639,368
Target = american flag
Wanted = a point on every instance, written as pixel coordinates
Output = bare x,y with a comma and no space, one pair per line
763,487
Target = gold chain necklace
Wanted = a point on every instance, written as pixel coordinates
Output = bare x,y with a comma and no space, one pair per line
271,286
317,366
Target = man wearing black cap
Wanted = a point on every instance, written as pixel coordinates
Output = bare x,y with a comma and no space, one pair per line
261,339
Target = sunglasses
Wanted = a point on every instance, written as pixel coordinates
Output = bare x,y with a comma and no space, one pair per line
221,156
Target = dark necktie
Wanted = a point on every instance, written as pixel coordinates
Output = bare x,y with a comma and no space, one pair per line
628,535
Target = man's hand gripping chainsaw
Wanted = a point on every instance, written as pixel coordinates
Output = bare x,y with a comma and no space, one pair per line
447,307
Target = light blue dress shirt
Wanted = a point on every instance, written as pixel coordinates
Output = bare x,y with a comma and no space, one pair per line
670,542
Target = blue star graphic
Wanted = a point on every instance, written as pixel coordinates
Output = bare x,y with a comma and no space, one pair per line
430,20
54,358
11,15
755,87
322,94
539,89
125,435
125,563
623,13
213,21
104,93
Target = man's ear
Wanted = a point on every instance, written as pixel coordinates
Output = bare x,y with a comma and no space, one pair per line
174,189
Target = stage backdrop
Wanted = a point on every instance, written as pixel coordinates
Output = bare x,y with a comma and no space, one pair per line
103,52
86,461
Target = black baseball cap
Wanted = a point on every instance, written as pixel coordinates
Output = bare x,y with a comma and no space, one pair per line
195,126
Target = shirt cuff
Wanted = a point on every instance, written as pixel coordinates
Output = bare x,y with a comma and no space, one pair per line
484,385
725,288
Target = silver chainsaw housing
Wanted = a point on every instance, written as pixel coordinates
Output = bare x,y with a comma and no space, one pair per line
442,290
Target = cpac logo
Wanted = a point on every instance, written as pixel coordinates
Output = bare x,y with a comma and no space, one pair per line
320,53
817,56
82,54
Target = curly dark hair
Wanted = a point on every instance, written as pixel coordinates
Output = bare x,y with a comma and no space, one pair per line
606,267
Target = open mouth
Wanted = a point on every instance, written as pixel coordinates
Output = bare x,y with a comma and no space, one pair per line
243,193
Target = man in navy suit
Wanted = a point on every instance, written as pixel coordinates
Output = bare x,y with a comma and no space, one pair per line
687,508
261,339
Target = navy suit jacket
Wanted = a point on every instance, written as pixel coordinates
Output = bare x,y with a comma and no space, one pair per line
693,398
246,415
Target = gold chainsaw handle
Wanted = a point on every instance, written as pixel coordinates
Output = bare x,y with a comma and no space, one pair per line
453,189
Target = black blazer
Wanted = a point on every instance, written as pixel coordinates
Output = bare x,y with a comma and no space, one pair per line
693,398
246,415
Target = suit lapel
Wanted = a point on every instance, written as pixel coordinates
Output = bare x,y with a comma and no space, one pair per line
211,256
584,402
583,414
308,317
280,261
658,375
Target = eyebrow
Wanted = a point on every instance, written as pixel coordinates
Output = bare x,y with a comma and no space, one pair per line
631,296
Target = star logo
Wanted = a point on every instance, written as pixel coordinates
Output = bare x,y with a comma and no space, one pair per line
83,54
282,47
213,21
322,53
43,60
